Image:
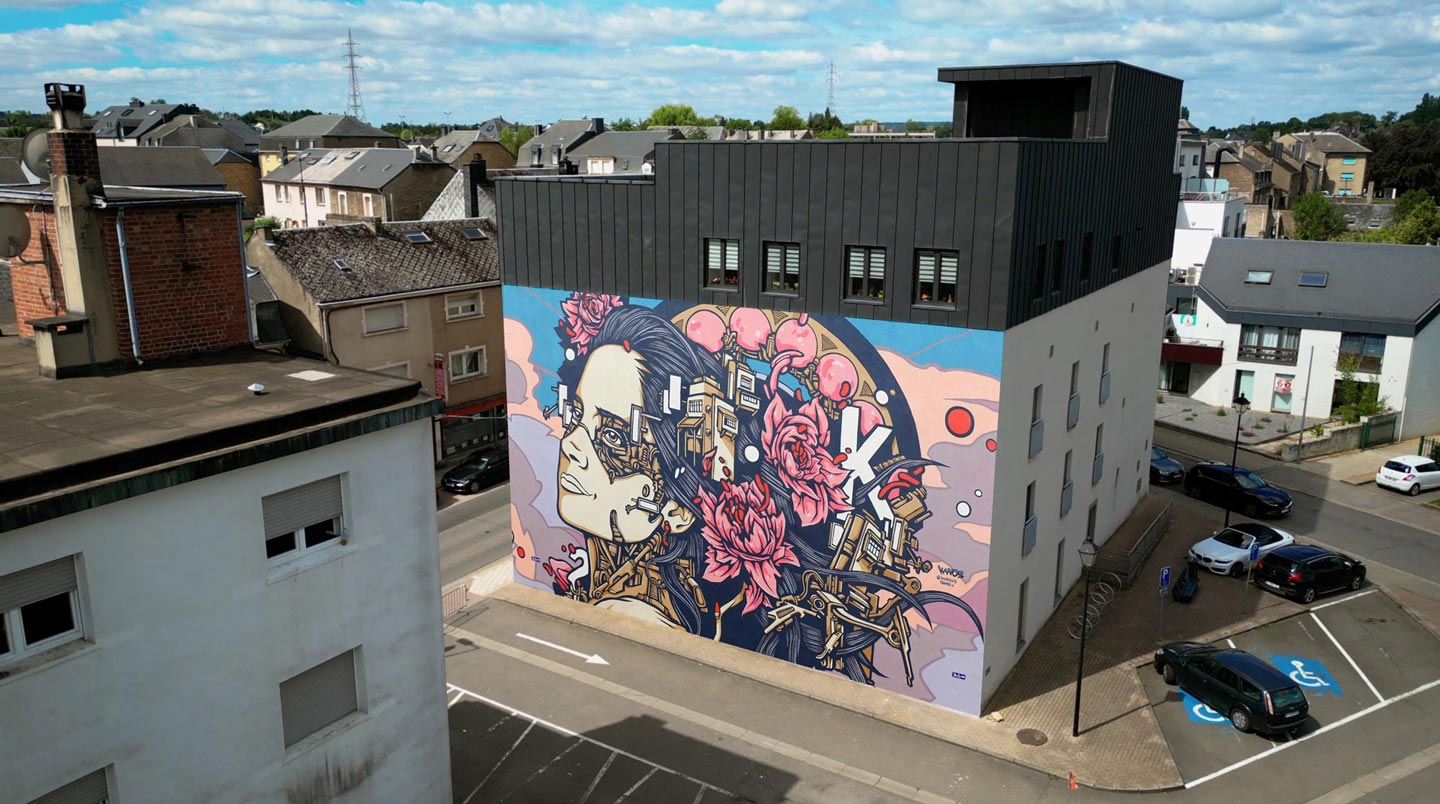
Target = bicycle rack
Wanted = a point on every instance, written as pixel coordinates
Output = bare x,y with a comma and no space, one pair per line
1102,590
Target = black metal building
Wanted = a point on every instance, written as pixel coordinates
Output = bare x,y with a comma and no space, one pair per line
1058,183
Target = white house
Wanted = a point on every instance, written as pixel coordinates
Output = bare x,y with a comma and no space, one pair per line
1207,209
1274,318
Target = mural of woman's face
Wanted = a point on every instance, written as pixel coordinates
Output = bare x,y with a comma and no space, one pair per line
610,484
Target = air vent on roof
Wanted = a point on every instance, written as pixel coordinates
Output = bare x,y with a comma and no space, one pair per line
1314,279
474,233
343,266
327,160
417,237
352,154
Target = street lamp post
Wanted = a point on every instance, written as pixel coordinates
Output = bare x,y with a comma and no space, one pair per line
1241,405
1087,560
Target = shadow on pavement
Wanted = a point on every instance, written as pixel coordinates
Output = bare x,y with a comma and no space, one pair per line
498,757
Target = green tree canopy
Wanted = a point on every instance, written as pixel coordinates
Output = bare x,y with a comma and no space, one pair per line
623,124
515,136
787,118
1407,203
674,114
1405,157
1317,219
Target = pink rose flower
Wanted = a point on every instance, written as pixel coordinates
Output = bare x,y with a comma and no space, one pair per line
796,445
745,537
584,313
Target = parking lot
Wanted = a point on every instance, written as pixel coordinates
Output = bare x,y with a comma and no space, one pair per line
1353,655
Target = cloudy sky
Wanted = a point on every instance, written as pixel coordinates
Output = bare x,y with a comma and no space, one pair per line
537,61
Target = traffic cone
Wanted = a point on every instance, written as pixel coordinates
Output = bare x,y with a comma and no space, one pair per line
1072,781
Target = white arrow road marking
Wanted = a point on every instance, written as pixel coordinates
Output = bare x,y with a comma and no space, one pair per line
588,657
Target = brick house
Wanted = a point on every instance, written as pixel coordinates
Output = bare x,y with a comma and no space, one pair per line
112,261
462,146
341,186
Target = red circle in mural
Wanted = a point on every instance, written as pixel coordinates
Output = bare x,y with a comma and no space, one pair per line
960,421
519,551
990,444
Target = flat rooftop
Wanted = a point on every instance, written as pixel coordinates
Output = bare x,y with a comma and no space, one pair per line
91,440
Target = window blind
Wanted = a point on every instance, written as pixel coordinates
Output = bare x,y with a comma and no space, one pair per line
292,509
37,583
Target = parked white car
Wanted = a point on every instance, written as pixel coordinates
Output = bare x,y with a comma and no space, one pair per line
1228,551
1411,474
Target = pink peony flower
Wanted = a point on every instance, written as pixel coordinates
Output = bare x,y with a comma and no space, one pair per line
584,313
745,536
796,444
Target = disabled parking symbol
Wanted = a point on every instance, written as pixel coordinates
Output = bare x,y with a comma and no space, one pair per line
1310,674
1200,713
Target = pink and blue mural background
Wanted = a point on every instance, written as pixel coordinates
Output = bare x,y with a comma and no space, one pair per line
815,488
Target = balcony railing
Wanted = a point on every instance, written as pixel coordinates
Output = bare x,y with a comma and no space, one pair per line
1364,364
1268,354
1037,437
1097,468
1073,415
1032,527
1212,343
1227,195
1104,387
1067,497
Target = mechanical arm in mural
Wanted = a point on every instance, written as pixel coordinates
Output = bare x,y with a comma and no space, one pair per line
745,475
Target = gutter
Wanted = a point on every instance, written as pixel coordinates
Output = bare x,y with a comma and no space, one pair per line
129,291
250,325
409,294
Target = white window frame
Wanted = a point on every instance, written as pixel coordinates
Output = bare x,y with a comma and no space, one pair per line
479,306
340,202
384,369
369,205
484,364
319,196
365,318
12,643
303,549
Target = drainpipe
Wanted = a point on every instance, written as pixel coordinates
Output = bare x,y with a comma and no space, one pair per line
245,274
129,291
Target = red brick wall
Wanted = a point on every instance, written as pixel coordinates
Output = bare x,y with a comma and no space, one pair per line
180,309
38,290
74,153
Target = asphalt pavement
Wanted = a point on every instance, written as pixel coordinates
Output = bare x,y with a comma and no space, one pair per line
474,533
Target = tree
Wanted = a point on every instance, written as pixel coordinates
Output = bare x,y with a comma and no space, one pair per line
1421,224
1317,219
787,118
1185,112
623,124
674,114
832,134
515,137
1426,111
912,126
1405,157
1407,203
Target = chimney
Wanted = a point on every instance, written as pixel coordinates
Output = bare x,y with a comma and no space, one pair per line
475,178
597,125
284,155
539,129
86,335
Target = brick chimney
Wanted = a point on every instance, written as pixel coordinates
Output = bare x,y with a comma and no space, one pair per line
75,183
475,178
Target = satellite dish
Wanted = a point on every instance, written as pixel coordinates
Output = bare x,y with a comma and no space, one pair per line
14,231
35,153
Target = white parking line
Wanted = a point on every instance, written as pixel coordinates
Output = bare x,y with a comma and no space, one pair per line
1346,654
1342,600
503,757
1337,724
571,733
1231,641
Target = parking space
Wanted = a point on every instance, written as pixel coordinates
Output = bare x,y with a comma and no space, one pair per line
1352,656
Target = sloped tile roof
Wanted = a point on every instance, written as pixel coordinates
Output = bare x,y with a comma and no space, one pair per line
329,125
382,261
178,168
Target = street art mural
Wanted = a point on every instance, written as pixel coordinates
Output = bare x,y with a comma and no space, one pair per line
814,488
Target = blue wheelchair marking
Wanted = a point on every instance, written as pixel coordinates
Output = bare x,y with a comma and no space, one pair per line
1200,713
1310,674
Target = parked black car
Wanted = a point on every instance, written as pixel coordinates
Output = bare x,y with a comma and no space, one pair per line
1242,687
1303,571
480,470
1163,468
1237,489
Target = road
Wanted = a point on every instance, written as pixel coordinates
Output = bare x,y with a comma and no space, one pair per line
474,533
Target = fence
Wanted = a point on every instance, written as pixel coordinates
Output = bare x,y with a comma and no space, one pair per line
1430,447
1371,431
1126,562
454,601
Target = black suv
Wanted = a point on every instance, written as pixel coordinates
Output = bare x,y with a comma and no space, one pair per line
1303,571
1237,489
1242,687
479,471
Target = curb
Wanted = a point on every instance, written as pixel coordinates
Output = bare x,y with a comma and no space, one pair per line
1229,442
887,707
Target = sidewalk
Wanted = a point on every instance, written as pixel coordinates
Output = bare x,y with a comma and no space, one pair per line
1358,467
1205,420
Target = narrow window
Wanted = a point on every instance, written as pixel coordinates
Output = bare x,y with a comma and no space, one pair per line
1042,263
1087,256
1115,253
722,264
866,273
1105,360
1075,378
782,268
1057,270
1035,403
319,196
936,275
1099,438
1059,571
1020,616
1030,501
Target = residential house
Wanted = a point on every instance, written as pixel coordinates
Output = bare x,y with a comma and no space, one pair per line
192,130
878,131
1341,160
968,333
249,135
550,144
1277,319
463,145
1209,208
410,299
176,168
128,124
240,172
320,131
1245,174
696,132
169,529
620,151
344,185
1189,150
12,169
492,129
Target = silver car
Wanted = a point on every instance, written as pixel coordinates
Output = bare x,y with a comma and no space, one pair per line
1228,551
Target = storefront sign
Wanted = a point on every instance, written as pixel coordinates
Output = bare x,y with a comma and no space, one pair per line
439,375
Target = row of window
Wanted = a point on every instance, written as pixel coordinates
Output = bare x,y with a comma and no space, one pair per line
346,202
1037,418
935,272
1050,263
392,316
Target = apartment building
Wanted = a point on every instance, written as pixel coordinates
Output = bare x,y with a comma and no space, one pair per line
323,186
761,393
